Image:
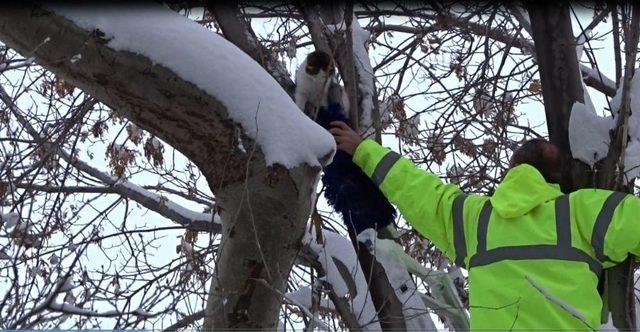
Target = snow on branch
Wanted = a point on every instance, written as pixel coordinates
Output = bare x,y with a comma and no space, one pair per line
589,136
387,253
632,152
72,309
193,220
252,97
337,247
293,300
163,206
446,300
588,133
303,296
364,74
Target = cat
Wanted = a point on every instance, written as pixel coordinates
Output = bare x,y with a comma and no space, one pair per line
316,85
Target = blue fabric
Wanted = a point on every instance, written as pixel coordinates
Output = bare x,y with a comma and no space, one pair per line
348,189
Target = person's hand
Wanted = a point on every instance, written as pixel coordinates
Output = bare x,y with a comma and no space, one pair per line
346,138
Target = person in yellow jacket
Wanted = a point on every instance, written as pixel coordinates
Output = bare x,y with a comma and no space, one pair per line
534,254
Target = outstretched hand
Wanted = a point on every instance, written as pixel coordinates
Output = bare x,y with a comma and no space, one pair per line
346,138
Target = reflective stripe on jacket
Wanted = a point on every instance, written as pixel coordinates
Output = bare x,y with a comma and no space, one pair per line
533,254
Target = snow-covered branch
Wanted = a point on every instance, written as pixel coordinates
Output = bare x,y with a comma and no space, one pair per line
343,272
180,81
267,114
322,325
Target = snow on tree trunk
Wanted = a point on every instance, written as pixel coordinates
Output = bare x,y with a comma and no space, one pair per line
632,151
364,73
177,80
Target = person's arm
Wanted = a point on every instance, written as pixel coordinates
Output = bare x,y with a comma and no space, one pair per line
622,232
610,223
424,200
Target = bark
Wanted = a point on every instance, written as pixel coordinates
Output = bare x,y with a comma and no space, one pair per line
561,87
263,223
263,209
619,280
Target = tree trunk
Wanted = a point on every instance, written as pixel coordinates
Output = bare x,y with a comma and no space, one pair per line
264,223
263,209
560,76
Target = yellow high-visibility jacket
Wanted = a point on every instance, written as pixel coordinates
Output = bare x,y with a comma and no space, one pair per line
534,254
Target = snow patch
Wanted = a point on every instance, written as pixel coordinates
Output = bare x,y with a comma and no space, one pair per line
141,312
582,39
392,258
632,153
608,326
67,284
76,58
364,72
9,220
588,133
179,209
340,248
597,75
70,308
325,258
253,98
303,296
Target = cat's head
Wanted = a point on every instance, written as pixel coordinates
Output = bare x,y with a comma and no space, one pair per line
321,64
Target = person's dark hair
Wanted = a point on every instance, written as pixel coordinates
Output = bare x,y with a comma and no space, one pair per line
541,154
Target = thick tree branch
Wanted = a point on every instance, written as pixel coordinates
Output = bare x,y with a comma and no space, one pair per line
239,32
558,67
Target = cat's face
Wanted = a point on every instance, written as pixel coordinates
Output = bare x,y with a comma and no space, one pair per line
320,64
